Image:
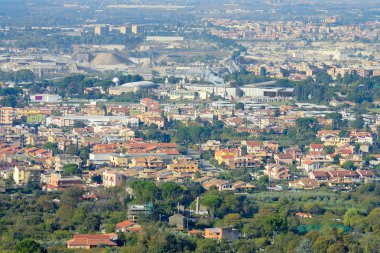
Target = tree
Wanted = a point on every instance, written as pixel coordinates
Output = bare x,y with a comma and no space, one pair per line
144,191
90,224
72,169
232,219
358,123
79,124
305,246
239,106
97,179
336,118
348,165
244,150
336,248
321,245
329,149
29,246
275,224
336,159
206,246
370,243
171,191
314,207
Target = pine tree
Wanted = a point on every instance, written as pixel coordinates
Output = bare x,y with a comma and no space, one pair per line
305,246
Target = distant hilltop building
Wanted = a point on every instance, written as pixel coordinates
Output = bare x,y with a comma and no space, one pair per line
101,30
131,87
45,98
109,59
123,29
330,20
134,29
164,38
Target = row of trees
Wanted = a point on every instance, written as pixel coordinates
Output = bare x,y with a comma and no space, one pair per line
23,75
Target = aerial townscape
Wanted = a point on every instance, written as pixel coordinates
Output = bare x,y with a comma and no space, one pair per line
148,126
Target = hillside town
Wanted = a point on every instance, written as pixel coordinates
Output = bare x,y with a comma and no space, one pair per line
190,127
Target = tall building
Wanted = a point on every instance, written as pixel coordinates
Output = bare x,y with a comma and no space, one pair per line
101,30
7,115
123,30
134,29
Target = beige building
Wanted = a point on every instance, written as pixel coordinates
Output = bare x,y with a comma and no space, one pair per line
7,115
118,160
183,166
134,29
112,178
22,175
123,30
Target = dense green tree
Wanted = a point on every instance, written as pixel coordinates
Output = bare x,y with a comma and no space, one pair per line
29,246
305,246
239,106
206,246
72,169
144,191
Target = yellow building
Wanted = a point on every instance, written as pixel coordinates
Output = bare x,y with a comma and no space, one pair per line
119,161
183,166
123,30
223,154
101,30
134,29
150,162
337,141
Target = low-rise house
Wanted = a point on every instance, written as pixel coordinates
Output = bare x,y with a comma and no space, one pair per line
304,215
112,178
228,234
92,241
241,186
304,183
336,141
223,154
283,158
296,152
220,184
316,147
309,165
319,175
61,160
127,226
178,220
60,182
241,162
276,172
119,160
183,165
252,146
24,175
135,210
149,162
211,145
343,174
362,137
366,175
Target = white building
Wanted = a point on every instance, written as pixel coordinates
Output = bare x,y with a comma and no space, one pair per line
45,98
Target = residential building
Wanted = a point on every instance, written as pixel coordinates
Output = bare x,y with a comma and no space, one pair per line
127,226
228,234
24,175
112,178
178,220
7,115
91,241
276,172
